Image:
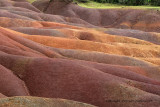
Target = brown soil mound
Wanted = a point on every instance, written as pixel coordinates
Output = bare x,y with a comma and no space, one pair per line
14,22
54,29
9,22
147,20
101,57
13,41
119,49
53,56
72,79
23,10
147,36
4,13
2,96
39,102
16,3
96,36
37,31
71,76
10,85
153,60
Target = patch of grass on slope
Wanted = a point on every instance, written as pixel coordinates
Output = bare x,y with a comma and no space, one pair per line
92,4
31,1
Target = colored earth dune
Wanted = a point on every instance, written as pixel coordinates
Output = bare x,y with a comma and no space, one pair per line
58,54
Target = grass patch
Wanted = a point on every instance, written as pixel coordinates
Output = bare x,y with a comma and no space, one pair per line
92,4
31,1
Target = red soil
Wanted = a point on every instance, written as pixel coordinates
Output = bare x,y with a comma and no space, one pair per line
147,36
147,20
10,85
72,79
2,96
16,41
118,49
55,57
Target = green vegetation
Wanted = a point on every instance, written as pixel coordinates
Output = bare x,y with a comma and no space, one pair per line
132,2
31,1
92,4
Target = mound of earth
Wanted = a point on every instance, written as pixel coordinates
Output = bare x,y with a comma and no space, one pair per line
71,76
74,56
147,20
147,36
39,102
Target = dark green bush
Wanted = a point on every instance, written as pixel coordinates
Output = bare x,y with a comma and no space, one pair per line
83,1
155,2
131,2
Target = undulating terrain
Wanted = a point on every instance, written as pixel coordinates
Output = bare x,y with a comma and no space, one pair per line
58,54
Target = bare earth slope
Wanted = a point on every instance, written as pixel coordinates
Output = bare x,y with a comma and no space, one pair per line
147,20
59,54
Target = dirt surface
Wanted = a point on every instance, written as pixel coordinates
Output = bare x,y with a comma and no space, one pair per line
39,102
147,20
63,55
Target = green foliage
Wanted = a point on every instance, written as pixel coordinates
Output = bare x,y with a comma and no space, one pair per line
83,1
155,2
31,1
92,4
131,2
123,2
